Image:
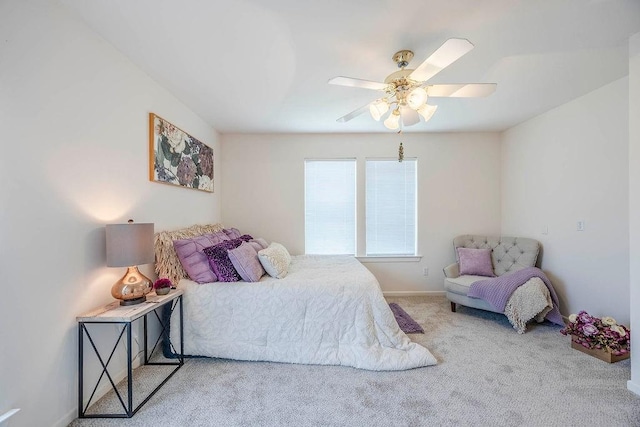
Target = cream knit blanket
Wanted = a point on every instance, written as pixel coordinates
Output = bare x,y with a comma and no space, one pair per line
529,301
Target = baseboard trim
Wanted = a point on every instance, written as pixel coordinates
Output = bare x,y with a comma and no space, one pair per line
633,387
413,293
67,419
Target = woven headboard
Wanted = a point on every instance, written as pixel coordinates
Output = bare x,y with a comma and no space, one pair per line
167,262
507,253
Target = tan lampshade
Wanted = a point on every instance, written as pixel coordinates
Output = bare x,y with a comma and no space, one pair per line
129,244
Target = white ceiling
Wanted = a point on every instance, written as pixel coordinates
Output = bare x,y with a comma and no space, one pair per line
262,66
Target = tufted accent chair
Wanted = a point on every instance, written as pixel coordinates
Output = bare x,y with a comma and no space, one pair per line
508,254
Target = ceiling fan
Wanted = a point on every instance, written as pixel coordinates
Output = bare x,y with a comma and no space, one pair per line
406,91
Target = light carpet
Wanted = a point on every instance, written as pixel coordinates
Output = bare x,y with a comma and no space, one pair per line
487,375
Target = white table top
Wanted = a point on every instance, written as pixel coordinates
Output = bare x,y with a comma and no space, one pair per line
114,312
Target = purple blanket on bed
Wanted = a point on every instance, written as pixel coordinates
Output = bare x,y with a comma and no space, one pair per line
497,290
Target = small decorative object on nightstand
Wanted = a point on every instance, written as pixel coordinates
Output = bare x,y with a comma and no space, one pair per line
130,245
162,286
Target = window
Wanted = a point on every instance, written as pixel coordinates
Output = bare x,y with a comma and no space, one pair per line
330,206
391,188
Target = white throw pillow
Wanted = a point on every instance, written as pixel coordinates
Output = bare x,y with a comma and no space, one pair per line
275,259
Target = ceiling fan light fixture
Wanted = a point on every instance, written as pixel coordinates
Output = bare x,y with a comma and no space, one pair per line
406,91
378,108
393,121
426,111
417,98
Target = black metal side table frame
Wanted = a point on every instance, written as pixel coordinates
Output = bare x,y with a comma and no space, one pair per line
128,408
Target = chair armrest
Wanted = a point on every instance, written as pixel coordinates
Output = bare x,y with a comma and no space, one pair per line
452,271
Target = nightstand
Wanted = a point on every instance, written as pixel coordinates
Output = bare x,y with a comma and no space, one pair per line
123,317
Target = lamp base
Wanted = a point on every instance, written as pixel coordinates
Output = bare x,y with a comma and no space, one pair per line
132,287
133,301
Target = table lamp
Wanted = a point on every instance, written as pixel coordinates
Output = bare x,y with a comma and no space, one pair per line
130,245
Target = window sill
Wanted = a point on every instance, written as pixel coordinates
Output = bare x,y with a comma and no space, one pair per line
402,258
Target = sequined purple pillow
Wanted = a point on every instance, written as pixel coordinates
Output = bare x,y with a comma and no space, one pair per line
219,259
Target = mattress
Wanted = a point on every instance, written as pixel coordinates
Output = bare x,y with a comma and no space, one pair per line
328,310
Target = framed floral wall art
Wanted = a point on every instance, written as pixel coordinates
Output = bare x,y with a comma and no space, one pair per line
177,158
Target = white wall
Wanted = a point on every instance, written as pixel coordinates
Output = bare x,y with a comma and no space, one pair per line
458,184
73,114
570,164
634,207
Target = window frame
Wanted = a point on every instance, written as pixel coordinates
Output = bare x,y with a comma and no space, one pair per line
393,257
360,210
354,160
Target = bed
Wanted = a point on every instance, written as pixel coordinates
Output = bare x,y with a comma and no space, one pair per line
328,310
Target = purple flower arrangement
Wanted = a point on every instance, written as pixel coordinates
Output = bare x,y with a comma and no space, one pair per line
162,283
598,333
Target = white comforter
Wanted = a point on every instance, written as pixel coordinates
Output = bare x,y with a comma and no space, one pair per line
329,310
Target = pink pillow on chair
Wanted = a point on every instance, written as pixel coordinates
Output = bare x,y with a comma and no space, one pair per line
475,262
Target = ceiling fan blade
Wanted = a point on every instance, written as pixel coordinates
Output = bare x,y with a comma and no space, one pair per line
463,90
353,114
409,116
445,55
351,82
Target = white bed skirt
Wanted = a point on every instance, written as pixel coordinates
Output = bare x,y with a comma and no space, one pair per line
329,310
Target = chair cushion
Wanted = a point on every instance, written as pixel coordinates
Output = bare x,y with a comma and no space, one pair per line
460,285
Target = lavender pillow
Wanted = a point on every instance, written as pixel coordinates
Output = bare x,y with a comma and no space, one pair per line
193,260
219,259
245,260
475,262
258,243
232,233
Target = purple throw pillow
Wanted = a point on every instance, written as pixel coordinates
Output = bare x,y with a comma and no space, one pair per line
219,259
193,260
245,260
476,262
232,233
258,244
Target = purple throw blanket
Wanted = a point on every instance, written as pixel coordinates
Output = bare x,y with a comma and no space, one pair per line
497,291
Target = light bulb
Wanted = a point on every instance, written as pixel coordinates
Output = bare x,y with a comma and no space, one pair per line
426,111
409,117
417,98
393,121
378,108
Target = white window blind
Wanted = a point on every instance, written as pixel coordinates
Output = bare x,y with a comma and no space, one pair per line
391,189
330,206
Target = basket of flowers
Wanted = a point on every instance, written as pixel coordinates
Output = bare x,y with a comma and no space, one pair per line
599,337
